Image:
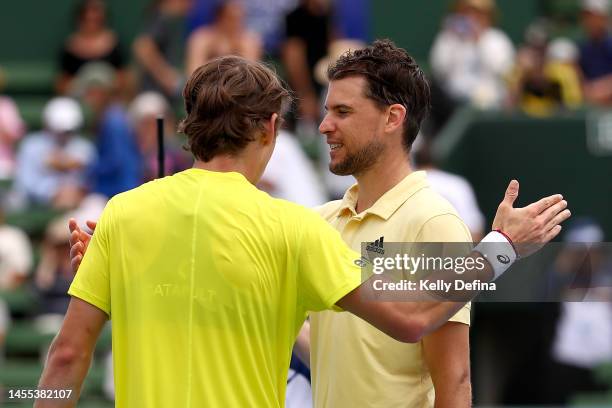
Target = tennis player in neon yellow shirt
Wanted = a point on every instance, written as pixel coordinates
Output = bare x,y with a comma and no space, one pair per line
207,280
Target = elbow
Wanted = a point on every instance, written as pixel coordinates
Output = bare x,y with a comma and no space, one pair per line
63,355
412,330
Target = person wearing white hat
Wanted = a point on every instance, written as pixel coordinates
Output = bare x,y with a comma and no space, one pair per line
51,163
470,57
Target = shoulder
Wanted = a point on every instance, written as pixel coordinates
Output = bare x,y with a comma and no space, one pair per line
446,37
497,37
427,203
149,188
252,38
13,235
79,141
34,141
436,220
329,209
201,34
427,209
292,210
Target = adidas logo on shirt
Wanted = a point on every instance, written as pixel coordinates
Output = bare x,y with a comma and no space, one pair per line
376,246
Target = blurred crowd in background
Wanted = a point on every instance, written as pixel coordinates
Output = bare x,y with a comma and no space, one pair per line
99,135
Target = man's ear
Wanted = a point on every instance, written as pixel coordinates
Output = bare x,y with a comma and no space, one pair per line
395,117
270,129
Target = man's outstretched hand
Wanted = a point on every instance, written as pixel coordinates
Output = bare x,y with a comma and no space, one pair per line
79,240
532,226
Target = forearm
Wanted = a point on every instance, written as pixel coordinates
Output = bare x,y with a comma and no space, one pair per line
294,57
446,353
457,395
431,298
64,370
147,54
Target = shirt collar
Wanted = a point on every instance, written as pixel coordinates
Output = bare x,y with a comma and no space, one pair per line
389,202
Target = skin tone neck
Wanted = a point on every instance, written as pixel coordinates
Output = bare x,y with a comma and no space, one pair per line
385,174
251,161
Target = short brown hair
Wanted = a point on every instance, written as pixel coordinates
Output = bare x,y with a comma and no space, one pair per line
227,100
392,76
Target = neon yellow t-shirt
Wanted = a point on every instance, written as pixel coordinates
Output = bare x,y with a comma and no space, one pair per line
207,281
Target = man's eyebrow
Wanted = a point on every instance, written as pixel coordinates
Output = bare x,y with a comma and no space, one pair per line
338,106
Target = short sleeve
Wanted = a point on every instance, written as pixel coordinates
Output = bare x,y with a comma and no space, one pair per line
444,228
92,280
463,315
327,267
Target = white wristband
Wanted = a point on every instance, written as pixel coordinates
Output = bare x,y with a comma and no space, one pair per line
496,249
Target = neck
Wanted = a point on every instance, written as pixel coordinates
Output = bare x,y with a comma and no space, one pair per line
226,164
379,179
90,31
599,35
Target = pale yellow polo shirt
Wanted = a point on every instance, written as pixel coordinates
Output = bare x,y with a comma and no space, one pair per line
353,364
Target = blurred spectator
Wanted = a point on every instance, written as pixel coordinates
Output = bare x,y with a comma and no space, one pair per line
119,166
583,338
92,41
202,12
12,129
264,17
15,266
143,113
545,77
308,36
290,174
51,164
15,256
160,49
352,19
596,52
562,67
226,35
470,57
456,189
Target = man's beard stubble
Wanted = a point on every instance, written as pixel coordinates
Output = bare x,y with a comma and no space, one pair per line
360,161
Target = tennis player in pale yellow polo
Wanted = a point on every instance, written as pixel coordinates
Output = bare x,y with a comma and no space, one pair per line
345,348
207,280
352,363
